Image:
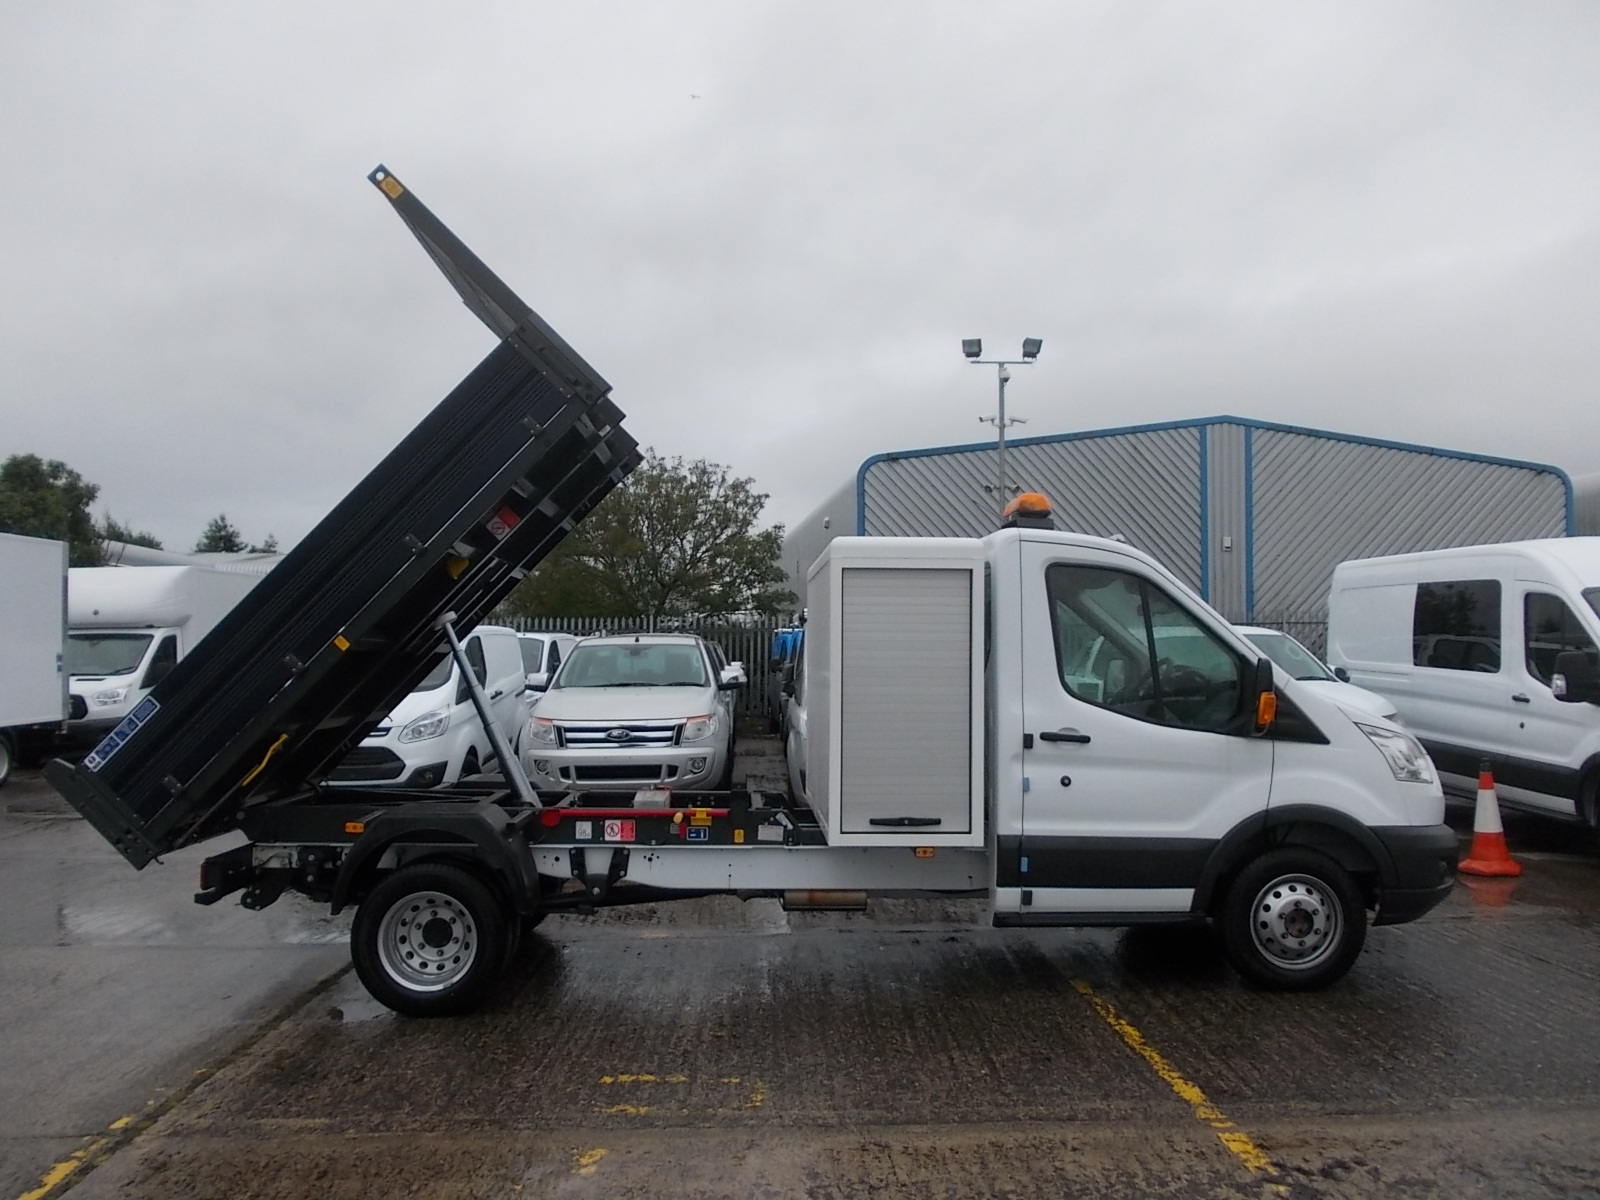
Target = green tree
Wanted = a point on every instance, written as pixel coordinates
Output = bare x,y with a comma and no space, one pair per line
48,499
674,539
113,530
270,546
220,537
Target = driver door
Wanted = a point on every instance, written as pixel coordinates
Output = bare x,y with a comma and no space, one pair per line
1137,751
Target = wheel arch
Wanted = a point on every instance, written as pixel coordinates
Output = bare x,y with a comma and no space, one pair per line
499,857
1327,830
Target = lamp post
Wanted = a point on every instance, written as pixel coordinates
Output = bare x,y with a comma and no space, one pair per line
973,349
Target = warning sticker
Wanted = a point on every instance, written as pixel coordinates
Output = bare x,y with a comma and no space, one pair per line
698,833
619,831
503,522
114,740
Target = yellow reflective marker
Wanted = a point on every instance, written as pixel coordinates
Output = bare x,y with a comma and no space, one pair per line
341,643
738,837
355,826
1238,1143
924,851
392,189
455,565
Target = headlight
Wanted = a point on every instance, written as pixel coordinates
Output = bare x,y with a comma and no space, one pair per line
698,729
428,725
1404,754
543,731
111,696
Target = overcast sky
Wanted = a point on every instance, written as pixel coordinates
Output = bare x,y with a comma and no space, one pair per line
769,225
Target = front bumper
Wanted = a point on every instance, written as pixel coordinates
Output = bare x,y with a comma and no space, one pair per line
685,767
1423,870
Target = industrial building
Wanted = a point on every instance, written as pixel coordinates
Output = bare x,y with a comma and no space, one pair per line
1253,515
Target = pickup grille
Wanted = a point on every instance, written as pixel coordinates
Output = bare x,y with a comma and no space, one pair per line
627,773
641,734
369,762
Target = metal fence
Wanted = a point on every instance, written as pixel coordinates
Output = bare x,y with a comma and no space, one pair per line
744,639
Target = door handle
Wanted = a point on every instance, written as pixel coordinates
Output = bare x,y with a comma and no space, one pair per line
1064,735
1521,699
495,695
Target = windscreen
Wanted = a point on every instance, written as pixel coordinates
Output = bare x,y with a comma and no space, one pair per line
438,677
1592,595
1290,655
105,653
634,665
532,655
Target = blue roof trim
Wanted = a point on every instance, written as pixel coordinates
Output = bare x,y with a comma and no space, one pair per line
1201,423
1205,515
1249,524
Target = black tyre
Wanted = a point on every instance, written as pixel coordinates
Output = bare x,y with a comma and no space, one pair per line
469,764
430,940
8,755
1293,920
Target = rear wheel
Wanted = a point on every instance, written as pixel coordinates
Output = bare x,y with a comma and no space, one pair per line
8,754
1293,920
429,940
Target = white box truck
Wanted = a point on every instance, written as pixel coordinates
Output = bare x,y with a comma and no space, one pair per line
33,626
1468,643
127,627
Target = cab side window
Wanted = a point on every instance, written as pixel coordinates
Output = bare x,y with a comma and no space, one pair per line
555,656
1548,628
161,662
1124,644
1456,625
480,669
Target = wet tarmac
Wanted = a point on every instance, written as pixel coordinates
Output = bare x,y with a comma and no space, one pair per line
719,1048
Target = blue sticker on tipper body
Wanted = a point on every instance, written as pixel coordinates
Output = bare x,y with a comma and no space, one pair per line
119,736
698,834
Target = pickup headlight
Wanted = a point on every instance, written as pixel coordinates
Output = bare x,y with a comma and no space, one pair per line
543,731
1404,754
110,696
698,729
428,725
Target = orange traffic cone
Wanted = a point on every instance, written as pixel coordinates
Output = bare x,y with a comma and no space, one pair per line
1488,855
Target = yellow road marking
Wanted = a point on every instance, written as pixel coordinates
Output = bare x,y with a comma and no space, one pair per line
1238,1143
644,1079
625,1110
68,1167
585,1163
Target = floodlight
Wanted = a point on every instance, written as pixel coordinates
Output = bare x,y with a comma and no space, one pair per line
1031,347
972,347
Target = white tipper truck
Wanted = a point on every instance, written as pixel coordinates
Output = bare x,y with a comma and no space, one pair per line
33,625
127,627
958,742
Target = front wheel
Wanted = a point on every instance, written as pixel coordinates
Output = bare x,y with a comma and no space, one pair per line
1293,920
429,940
8,755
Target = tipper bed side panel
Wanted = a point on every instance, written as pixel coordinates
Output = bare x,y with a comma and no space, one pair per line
319,651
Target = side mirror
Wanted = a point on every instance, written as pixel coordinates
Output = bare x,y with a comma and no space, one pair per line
1342,674
1574,679
1263,699
538,681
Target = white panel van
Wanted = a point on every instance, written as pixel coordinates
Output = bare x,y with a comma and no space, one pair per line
1465,643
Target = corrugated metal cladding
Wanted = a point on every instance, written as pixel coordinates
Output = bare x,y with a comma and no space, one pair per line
1320,500
1143,485
1255,516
